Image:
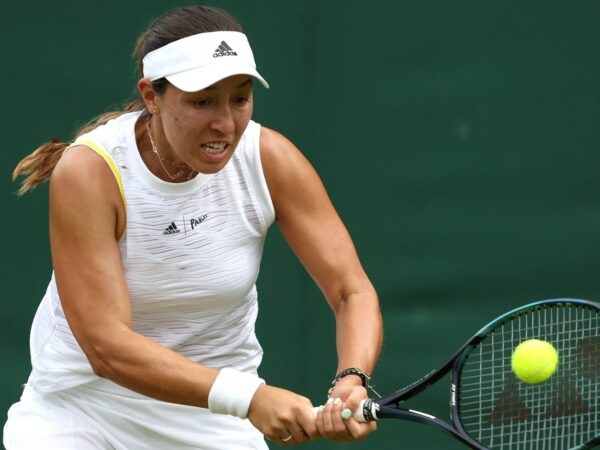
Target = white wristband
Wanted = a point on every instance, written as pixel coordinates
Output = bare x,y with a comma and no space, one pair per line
232,392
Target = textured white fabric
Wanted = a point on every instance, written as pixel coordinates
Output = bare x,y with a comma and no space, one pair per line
102,416
40,421
191,253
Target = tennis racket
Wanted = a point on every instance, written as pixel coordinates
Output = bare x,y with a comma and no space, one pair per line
490,408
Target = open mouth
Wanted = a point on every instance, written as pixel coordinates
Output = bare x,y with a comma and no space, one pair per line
215,148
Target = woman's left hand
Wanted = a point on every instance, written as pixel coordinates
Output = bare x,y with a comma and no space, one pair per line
330,421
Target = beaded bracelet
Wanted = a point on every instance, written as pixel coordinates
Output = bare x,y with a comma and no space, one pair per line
365,378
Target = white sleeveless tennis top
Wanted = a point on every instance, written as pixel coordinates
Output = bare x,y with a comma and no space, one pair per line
191,253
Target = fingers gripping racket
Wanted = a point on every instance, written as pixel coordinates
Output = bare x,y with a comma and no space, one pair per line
490,408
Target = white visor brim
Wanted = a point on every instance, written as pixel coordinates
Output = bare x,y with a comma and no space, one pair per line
199,61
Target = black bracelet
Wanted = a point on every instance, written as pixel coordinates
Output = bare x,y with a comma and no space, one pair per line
365,378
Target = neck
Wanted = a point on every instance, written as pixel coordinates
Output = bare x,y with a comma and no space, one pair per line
175,172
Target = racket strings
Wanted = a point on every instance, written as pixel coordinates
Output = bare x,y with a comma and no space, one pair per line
502,412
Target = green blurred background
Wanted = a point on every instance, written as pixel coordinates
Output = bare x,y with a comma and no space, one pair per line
459,141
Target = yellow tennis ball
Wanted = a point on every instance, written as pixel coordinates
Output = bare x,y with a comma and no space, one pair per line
534,361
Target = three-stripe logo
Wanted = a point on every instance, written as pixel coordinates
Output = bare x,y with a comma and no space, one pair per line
224,50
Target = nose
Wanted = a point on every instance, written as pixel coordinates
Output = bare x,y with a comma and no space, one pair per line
224,120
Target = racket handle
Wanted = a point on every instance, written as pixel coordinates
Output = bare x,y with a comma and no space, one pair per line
364,413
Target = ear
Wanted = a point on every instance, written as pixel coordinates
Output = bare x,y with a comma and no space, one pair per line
148,95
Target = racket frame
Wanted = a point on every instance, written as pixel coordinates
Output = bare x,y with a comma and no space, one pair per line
387,406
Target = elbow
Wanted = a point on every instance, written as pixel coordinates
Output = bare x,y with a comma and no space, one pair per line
105,348
100,367
101,359
363,304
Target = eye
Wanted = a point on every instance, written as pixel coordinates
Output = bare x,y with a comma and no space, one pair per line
242,100
243,97
200,100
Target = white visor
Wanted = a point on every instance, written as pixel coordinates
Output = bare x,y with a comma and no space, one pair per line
199,61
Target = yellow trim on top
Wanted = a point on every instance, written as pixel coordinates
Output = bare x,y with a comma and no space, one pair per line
109,160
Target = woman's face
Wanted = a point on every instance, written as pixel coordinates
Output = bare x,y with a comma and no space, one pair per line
202,129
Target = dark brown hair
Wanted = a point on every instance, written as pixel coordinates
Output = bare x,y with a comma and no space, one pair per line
172,26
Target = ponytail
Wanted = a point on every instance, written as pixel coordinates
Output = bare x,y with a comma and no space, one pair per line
39,165
177,24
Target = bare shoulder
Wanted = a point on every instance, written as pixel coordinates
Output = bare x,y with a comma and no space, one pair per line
83,171
282,161
275,146
294,184
75,164
83,184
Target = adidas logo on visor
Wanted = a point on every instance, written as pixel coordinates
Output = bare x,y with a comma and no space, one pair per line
223,50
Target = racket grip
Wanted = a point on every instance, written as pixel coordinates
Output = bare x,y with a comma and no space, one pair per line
360,415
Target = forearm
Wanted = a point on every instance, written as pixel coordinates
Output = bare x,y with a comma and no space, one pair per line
142,365
359,331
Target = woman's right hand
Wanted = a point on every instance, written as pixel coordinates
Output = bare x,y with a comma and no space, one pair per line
279,414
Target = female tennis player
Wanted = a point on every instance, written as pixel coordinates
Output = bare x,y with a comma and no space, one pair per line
145,337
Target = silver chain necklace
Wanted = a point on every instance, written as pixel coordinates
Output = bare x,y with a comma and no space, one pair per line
181,168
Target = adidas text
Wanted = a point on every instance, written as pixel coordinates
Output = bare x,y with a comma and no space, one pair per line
218,55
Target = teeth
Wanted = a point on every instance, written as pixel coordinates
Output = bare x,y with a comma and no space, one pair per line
215,147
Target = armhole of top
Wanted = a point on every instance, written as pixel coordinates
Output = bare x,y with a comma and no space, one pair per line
263,195
111,164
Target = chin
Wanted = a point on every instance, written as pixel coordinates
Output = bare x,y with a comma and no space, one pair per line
209,169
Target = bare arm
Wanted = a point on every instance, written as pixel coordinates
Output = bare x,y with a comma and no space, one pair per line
317,235
86,218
